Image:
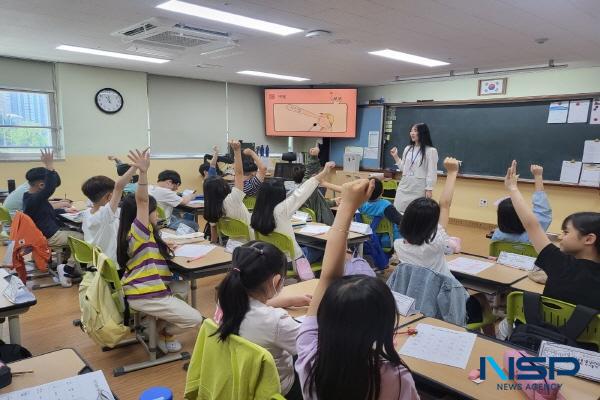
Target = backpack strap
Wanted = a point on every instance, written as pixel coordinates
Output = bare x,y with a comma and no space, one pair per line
579,320
531,308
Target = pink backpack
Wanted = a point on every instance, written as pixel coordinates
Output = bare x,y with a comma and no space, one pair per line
358,266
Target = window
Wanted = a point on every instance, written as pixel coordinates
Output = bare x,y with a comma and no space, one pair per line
27,123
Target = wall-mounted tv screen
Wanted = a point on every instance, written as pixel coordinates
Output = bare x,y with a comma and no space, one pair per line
311,112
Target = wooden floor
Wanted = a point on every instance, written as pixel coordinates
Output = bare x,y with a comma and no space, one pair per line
48,326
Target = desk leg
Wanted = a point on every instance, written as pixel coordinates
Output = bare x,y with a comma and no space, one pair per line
14,329
360,249
193,287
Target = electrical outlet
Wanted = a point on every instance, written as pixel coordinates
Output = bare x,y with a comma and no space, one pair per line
483,202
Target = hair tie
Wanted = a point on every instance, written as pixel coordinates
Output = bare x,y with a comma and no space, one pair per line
236,269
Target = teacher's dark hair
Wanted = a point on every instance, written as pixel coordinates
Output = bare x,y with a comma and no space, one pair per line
424,139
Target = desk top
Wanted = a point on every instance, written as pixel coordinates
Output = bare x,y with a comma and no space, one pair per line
325,236
6,307
217,256
457,380
49,367
497,273
527,285
308,287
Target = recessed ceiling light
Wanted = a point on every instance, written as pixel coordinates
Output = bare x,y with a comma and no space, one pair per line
226,17
411,58
97,52
274,76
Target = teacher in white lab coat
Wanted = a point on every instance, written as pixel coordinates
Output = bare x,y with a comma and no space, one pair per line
418,165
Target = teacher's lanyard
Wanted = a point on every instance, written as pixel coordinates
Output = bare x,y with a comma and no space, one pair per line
413,158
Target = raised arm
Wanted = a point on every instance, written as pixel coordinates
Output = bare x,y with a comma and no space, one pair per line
262,168
119,186
141,161
50,180
214,159
237,164
538,176
353,195
537,235
451,165
312,164
331,186
396,157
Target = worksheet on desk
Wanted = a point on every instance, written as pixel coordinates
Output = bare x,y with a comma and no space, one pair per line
90,386
440,345
468,266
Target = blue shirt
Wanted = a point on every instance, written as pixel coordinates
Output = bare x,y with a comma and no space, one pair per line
377,209
543,213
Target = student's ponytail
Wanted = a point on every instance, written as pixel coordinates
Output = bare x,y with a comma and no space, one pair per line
252,265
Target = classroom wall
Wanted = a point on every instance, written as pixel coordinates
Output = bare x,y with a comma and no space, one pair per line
564,200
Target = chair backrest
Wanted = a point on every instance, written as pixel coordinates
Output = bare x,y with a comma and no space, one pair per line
231,369
250,202
5,215
497,246
160,212
311,212
110,274
279,240
234,228
553,312
384,227
389,189
82,251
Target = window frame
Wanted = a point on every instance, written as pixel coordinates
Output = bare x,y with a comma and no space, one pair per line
53,127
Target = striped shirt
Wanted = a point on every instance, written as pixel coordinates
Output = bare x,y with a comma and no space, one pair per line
147,271
251,186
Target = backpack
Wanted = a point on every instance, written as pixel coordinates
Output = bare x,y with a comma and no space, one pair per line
358,266
531,334
372,247
100,317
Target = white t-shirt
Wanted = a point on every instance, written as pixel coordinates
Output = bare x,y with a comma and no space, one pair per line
234,207
101,229
428,255
166,198
273,329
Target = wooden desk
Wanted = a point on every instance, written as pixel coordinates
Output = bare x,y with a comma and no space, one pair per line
318,241
215,262
527,285
497,274
308,287
12,312
455,379
49,367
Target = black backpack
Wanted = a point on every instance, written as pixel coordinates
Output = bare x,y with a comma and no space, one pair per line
531,334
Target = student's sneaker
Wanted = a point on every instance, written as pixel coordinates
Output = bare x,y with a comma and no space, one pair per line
63,277
168,344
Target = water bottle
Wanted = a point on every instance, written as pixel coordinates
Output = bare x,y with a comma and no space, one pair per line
267,151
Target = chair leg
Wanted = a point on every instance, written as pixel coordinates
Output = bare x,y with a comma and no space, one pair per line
151,349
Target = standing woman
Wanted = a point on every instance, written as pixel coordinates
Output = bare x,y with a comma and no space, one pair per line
418,165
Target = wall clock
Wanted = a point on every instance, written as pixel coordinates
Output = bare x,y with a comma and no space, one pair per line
109,100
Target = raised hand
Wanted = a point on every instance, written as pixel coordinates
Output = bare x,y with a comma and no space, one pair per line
536,170
394,152
248,152
357,192
329,165
511,178
47,158
235,145
140,159
314,151
451,164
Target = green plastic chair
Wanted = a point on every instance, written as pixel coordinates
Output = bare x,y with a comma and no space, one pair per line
110,274
250,202
525,249
233,228
390,184
385,227
82,251
286,245
555,313
161,213
310,212
488,319
5,216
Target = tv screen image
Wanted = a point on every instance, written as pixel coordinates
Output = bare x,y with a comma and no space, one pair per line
311,112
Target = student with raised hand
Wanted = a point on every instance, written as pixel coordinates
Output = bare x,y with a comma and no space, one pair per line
510,227
252,308
418,165
423,227
210,169
273,210
147,281
346,342
165,193
254,173
573,268
221,200
100,223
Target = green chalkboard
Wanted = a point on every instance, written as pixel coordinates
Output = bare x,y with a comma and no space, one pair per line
486,137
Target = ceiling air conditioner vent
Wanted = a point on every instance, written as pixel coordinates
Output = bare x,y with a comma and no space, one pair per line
164,32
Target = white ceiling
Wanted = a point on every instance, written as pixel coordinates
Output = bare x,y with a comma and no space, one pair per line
466,33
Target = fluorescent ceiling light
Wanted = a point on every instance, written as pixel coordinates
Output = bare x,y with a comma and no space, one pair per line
226,17
97,52
398,55
274,76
